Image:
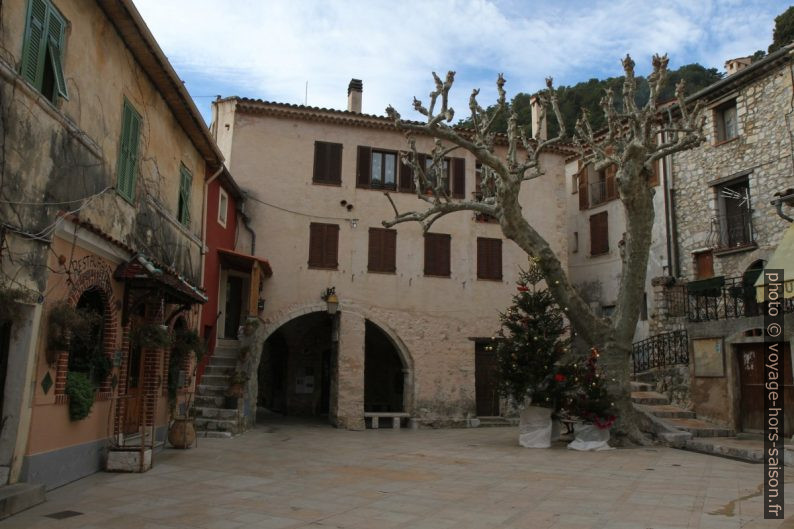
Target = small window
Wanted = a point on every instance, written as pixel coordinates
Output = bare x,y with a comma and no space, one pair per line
223,207
128,152
575,242
599,234
644,307
432,172
735,215
725,119
437,254
383,169
323,245
183,203
489,258
327,163
382,250
42,51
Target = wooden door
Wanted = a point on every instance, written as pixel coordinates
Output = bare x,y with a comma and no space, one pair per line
704,265
234,304
485,381
132,414
751,379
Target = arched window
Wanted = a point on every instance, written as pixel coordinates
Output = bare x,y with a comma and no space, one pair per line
86,354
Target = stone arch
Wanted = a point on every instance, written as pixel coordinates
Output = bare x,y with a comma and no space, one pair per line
91,274
278,320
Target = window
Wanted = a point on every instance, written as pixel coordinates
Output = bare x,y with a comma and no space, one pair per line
437,255
575,242
599,234
42,51
128,152
223,207
489,258
644,307
734,216
323,245
726,122
327,163
183,205
383,169
382,250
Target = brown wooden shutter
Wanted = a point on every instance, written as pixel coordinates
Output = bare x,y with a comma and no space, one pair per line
489,258
374,258
389,258
316,234
611,187
335,163
599,234
653,179
423,164
331,246
584,201
364,166
437,254
406,183
320,161
458,178
482,258
495,259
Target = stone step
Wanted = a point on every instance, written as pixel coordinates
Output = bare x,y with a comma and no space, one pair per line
642,386
222,361
670,411
209,401
701,428
216,413
215,380
18,497
648,397
218,391
216,425
495,422
218,370
214,434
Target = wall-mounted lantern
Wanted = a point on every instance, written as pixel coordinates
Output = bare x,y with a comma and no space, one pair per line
332,302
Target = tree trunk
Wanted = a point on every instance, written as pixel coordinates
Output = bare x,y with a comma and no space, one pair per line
615,361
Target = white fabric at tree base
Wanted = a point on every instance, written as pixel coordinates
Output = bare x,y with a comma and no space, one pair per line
589,437
556,430
534,427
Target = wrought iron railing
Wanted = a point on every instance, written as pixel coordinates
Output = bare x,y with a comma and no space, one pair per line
662,350
732,231
716,299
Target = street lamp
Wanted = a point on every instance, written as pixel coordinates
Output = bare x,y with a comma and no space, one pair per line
332,302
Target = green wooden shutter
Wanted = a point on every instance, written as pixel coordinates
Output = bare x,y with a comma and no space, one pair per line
128,152
56,29
185,183
35,43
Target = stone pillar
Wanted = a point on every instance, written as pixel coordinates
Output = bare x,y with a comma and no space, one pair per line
347,401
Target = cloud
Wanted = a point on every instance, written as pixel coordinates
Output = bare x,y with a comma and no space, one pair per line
271,49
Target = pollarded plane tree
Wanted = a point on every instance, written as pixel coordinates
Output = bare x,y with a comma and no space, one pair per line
634,139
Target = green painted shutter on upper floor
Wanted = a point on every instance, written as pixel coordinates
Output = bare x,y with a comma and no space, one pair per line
185,183
128,152
35,44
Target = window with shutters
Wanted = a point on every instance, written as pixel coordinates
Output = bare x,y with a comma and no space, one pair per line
183,205
383,170
596,187
128,152
489,258
382,250
42,50
323,245
599,234
437,254
223,207
327,163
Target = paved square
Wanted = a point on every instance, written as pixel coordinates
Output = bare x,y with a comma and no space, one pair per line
300,475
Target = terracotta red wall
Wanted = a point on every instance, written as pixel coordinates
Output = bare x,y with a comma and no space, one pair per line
217,237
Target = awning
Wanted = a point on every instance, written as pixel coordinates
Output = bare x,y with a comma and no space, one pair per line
243,262
142,273
706,287
782,259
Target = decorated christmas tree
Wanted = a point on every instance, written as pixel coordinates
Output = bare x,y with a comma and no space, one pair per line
587,396
531,342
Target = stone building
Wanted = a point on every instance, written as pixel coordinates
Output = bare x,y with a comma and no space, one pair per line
414,310
726,230
105,159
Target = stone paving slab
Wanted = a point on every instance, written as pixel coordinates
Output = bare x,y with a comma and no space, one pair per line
311,476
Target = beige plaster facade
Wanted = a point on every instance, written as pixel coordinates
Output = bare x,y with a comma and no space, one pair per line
432,321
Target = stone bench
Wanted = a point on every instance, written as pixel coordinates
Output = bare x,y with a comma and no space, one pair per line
394,416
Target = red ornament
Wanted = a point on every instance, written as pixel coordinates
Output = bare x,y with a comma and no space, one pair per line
559,377
522,288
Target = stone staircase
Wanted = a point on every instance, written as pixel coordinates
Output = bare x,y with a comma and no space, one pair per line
212,418
669,421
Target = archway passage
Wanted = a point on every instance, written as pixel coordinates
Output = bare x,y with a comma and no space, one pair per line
294,372
384,373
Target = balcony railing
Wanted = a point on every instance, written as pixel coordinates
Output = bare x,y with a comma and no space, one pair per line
717,298
662,350
601,192
732,231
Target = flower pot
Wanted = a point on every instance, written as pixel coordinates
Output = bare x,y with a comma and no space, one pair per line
534,427
182,433
589,437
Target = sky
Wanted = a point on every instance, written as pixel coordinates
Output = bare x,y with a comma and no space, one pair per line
303,51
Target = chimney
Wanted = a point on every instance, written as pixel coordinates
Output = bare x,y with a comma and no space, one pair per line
734,65
539,131
354,90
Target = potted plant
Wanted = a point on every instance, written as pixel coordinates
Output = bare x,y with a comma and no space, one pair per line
532,342
236,388
151,336
591,402
80,391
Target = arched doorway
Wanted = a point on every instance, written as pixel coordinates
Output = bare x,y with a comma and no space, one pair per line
294,373
384,372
